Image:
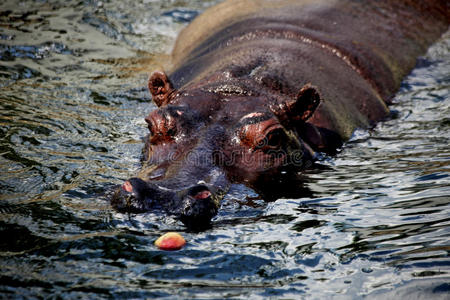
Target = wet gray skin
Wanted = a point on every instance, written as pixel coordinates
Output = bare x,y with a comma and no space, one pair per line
253,97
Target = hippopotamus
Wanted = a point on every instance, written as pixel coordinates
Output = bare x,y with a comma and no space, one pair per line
258,89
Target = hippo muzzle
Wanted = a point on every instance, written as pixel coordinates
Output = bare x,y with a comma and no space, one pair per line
195,206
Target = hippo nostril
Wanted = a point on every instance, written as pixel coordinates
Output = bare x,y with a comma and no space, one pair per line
127,187
136,195
198,207
199,192
202,195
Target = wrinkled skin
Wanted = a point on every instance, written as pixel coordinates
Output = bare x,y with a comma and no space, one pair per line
259,87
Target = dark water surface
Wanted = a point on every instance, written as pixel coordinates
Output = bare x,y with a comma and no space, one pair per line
72,103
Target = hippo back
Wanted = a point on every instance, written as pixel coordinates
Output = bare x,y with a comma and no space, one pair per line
356,52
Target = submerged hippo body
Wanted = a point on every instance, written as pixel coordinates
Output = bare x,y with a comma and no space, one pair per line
259,87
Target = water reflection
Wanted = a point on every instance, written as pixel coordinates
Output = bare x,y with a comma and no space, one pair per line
72,103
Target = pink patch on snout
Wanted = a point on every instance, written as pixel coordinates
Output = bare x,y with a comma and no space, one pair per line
127,187
202,195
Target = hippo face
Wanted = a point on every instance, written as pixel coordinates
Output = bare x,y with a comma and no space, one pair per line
200,141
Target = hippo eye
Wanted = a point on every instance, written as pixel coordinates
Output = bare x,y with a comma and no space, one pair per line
271,141
164,131
274,138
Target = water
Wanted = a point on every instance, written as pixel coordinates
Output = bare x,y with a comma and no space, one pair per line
72,103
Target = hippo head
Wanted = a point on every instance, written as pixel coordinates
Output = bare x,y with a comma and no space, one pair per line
202,138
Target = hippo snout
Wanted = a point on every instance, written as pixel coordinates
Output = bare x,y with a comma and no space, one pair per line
199,205
133,196
194,206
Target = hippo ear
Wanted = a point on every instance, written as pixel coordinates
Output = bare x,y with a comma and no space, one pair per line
160,87
299,109
308,99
